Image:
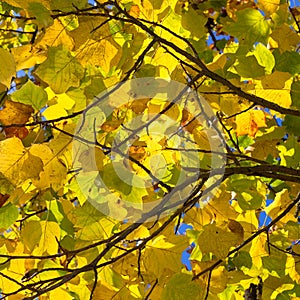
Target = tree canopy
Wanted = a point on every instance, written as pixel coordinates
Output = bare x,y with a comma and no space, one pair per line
149,149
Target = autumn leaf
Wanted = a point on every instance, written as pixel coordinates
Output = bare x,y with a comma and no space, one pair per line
149,149
250,122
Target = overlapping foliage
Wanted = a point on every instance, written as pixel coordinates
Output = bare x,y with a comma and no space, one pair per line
242,57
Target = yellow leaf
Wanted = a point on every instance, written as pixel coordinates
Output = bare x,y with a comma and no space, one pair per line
40,237
262,149
285,37
48,243
85,30
65,101
165,253
220,206
198,217
60,293
92,159
201,138
268,6
217,240
105,53
10,286
104,293
28,56
7,72
17,164
219,279
249,122
54,111
257,251
231,104
166,62
55,35
32,165
218,63
15,112
276,81
282,199
54,172
275,88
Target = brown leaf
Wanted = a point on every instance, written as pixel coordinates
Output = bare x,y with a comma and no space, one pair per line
3,199
15,113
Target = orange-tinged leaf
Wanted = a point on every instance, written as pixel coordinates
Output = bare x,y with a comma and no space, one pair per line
14,112
134,11
138,106
3,199
249,122
19,132
138,150
236,228
18,113
268,6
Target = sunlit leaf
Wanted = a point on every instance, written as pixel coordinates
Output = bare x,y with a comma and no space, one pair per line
60,70
7,73
31,94
250,27
181,287
8,215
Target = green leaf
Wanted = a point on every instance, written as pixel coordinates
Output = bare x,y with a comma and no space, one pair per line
146,70
295,94
275,265
290,149
216,4
31,94
293,229
6,186
248,67
181,287
41,13
264,58
112,180
194,23
287,62
250,27
8,215
56,209
61,70
292,124
250,192
67,6
242,260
